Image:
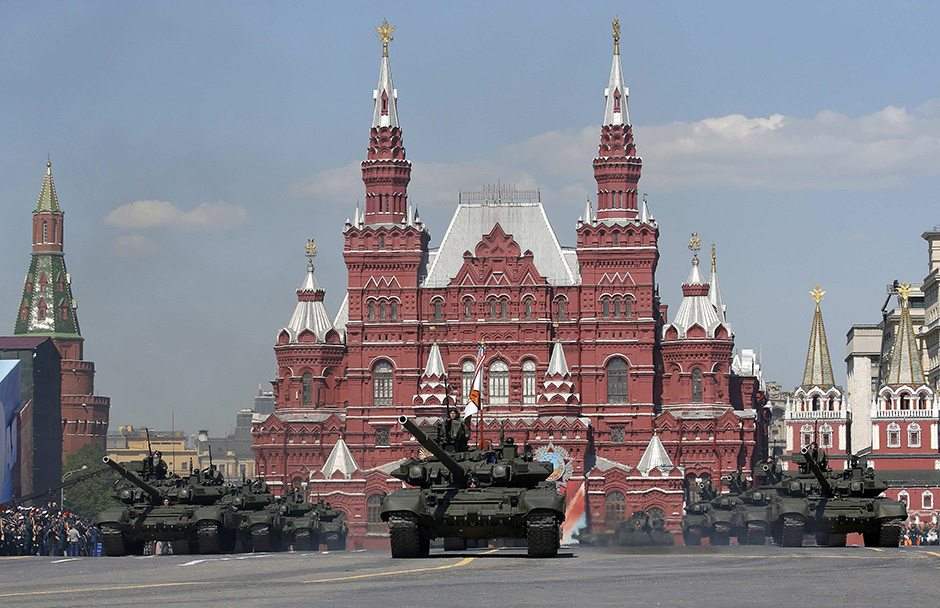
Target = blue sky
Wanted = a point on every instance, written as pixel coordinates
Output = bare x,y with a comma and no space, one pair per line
802,138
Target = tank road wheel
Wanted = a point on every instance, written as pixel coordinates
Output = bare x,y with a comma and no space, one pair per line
542,534
207,534
454,543
405,536
261,538
792,533
755,534
889,535
112,541
692,536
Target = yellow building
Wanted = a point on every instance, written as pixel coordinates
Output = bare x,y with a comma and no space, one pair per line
130,444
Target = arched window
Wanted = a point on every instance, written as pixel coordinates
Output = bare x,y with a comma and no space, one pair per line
437,307
904,497
605,307
561,309
926,500
528,381
617,389
913,435
905,401
806,435
307,391
381,310
614,505
381,241
628,308
494,308
393,305
922,401
696,385
830,403
815,403
504,308
616,309
894,435
374,513
825,436
527,308
499,383
656,513
45,232
468,309
615,238
466,377
370,307
382,383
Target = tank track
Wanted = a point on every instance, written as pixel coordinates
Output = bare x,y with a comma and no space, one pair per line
112,541
406,537
692,536
886,535
755,534
792,532
207,537
542,535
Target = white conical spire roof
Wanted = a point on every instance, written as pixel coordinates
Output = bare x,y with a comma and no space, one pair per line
310,313
655,457
340,459
616,94
435,365
385,112
558,365
714,291
587,218
696,307
645,216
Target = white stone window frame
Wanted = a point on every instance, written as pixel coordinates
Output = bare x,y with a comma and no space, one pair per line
806,435
825,436
498,385
893,430
529,382
914,432
926,500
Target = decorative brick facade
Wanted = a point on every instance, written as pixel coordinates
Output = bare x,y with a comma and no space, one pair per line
581,361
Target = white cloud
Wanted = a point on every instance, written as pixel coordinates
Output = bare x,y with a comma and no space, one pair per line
775,152
147,214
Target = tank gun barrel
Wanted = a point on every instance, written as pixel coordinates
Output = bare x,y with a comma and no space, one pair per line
813,465
151,491
459,476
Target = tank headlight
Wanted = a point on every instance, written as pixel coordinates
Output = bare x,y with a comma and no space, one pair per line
416,472
758,496
500,471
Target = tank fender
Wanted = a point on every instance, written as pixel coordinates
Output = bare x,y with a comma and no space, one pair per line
543,499
407,499
208,513
890,509
108,516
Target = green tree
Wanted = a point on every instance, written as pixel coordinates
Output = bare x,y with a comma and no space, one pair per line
93,494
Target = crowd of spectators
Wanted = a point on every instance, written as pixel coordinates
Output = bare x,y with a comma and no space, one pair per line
920,534
46,530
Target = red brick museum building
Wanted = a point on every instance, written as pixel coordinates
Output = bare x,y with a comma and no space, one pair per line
584,360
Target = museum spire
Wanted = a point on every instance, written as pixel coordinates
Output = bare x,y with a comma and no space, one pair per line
385,172
617,166
818,368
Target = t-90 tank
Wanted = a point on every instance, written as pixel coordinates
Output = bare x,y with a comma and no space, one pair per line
187,511
850,501
695,524
644,529
260,521
333,528
461,493
301,522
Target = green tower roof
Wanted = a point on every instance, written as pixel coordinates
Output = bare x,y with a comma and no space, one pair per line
48,199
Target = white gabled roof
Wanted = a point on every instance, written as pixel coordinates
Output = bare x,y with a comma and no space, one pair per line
558,365
435,365
655,457
340,459
525,222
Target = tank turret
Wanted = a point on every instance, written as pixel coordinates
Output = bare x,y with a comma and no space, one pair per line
815,464
123,471
458,475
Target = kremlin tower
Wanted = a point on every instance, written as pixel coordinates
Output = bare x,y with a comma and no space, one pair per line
48,309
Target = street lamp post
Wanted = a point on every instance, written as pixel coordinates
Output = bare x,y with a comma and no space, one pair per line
62,489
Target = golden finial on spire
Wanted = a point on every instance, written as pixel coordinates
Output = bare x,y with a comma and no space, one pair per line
817,294
385,32
311,248
695,243
615,26
904,293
